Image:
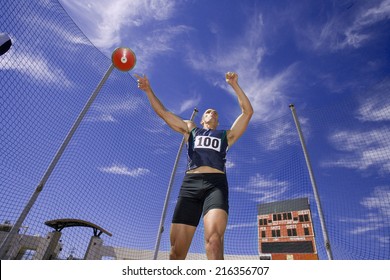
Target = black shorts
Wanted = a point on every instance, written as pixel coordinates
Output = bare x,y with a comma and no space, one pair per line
199,193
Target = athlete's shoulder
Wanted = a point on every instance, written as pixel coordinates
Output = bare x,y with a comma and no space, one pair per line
190,125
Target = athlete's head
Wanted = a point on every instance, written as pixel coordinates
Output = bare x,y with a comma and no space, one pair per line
210,119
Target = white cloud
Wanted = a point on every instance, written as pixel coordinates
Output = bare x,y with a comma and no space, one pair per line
158,42
68,39
107,118
243,225
244,55
375,110
229,164
367,147
106,112
36,67
103,20
379,200
275,139
190,103
377,217
355,34
362,150
54,27
348,30
120,169
263,181
282,133
36,63
375,107
264,188
109,23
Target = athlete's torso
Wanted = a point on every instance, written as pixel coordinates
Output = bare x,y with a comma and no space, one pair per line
206,151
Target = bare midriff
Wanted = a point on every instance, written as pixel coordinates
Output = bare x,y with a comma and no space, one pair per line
204,169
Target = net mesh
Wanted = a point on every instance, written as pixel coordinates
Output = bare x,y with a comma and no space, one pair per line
116,169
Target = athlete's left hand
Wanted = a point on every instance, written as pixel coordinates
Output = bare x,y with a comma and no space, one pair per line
231,77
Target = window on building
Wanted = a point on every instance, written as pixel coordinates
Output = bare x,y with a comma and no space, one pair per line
306,231
276,233
304,218
287,216
262,222
292,232
277,217
263,234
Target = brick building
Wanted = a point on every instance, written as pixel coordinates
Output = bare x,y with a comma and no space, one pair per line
285,230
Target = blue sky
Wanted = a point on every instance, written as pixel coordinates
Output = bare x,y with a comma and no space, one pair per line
309,53
281,51
314,54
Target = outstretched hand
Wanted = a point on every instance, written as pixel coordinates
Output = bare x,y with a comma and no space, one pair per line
143,82
231,78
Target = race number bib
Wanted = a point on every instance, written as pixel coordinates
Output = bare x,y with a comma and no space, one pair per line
207,142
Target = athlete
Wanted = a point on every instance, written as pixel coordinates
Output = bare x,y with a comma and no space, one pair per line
205,188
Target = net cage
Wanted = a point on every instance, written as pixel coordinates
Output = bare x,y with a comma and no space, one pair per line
104,198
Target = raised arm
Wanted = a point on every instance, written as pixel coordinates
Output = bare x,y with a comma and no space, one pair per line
173,121
242,121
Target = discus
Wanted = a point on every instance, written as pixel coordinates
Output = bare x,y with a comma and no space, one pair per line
123,59
5,43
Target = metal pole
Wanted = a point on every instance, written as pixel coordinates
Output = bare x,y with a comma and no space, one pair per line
313,183
164,212
8,240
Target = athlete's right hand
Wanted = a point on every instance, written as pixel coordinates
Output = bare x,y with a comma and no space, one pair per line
143,82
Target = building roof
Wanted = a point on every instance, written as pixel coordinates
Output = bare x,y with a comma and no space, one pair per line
284,206
60,224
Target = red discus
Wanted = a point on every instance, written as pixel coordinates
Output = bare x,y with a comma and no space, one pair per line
123,59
